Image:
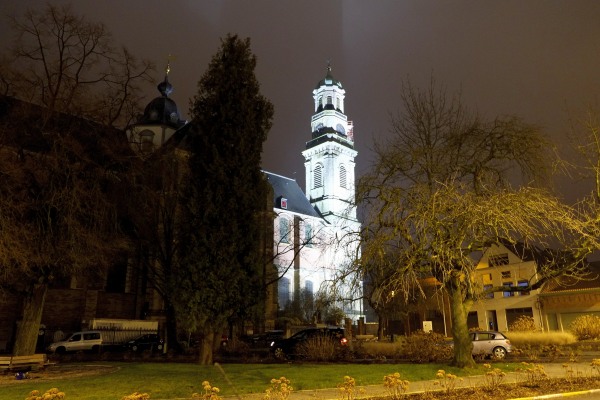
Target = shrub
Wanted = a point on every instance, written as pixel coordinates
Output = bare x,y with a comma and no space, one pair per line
586,327
51,394
348,388
280,389
210,392
493,378
534,373
446,381
424,347
524,323
539,339
320,348
395,385
136,396
378,350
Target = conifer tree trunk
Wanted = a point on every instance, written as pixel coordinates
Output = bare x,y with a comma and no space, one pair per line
207,344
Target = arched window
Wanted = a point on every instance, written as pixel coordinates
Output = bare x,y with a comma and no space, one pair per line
318,176
329,100
308,235
342,176
284,230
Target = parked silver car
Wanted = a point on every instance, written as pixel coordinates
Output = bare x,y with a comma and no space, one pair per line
491,343
78,341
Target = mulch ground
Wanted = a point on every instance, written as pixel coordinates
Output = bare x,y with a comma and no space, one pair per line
59,371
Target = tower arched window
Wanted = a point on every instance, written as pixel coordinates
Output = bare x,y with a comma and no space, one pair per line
329,100
318,176
343,176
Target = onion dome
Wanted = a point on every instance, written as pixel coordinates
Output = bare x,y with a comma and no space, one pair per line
329,80
162,110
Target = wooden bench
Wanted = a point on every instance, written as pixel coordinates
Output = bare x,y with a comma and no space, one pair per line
23,363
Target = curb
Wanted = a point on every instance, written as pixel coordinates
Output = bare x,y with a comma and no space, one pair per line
554,396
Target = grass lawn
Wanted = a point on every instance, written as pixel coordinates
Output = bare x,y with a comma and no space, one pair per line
177,380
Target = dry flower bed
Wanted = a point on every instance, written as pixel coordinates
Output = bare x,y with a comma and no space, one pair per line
511,391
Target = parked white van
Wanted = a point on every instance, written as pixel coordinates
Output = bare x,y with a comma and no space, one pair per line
78,341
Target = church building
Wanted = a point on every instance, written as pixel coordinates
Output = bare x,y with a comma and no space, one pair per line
315,231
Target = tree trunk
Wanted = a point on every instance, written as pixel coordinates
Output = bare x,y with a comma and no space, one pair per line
380,328
463,347
206,347
171,327
29,327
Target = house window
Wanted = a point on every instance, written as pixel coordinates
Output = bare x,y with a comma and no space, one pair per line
512,314
284,230
342,176
508,294
318,177
523,283
284,292
472,321
498,259
308,235
489,295
506,274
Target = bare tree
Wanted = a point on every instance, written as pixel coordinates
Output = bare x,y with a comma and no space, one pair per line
585,134
65,63
441,190
58,209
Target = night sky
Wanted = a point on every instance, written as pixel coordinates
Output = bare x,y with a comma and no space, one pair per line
536,59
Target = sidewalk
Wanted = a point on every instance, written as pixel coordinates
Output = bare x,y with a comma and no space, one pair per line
553,370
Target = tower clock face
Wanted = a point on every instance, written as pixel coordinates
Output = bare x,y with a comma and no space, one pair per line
340,128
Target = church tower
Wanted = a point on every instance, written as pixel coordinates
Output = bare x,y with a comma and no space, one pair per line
158,123
329,155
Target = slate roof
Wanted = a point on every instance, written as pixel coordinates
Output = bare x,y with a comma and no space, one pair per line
289,189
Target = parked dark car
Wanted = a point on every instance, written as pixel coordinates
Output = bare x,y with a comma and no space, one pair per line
264,340
291,347
149,341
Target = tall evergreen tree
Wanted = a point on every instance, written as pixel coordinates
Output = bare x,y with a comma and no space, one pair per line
220,248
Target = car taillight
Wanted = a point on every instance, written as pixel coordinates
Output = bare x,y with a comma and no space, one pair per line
344,341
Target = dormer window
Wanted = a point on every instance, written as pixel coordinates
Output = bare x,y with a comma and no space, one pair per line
498,259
